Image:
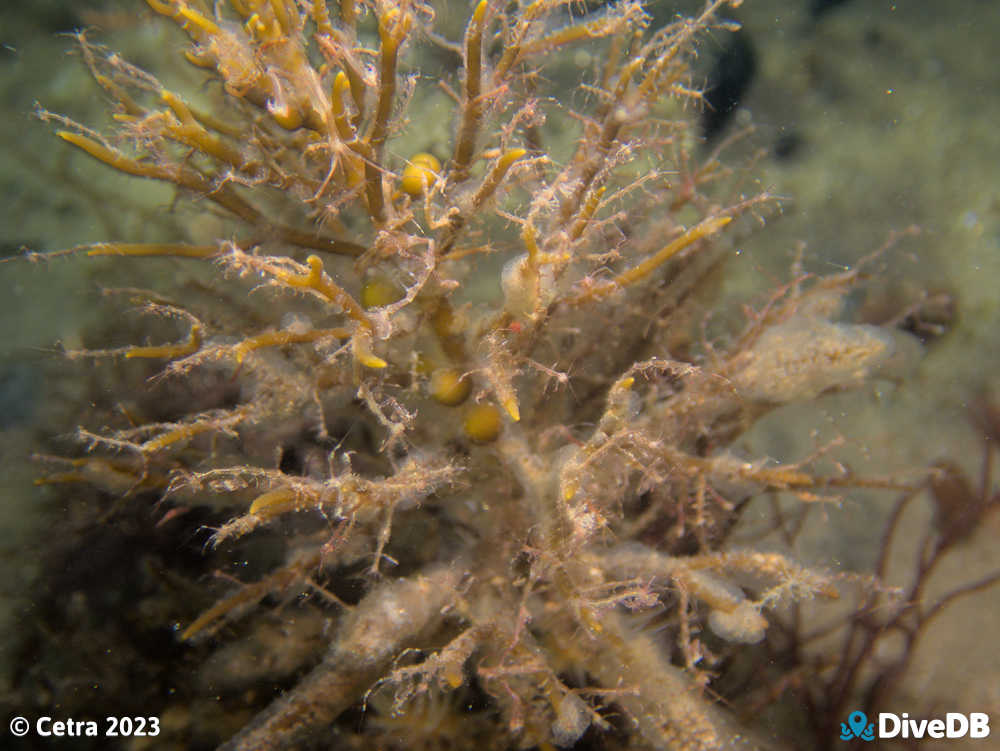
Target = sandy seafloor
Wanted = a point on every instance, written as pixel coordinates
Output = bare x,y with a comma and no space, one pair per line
894,109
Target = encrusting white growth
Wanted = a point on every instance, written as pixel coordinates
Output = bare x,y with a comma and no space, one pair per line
572,720
799,359
386,620
526,290
743,624
732,617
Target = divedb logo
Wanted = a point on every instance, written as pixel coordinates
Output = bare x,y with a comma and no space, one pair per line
954,725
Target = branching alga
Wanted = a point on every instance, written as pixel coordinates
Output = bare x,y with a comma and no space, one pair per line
546,425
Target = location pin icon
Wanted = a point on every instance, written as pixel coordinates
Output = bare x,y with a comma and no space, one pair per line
857,721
